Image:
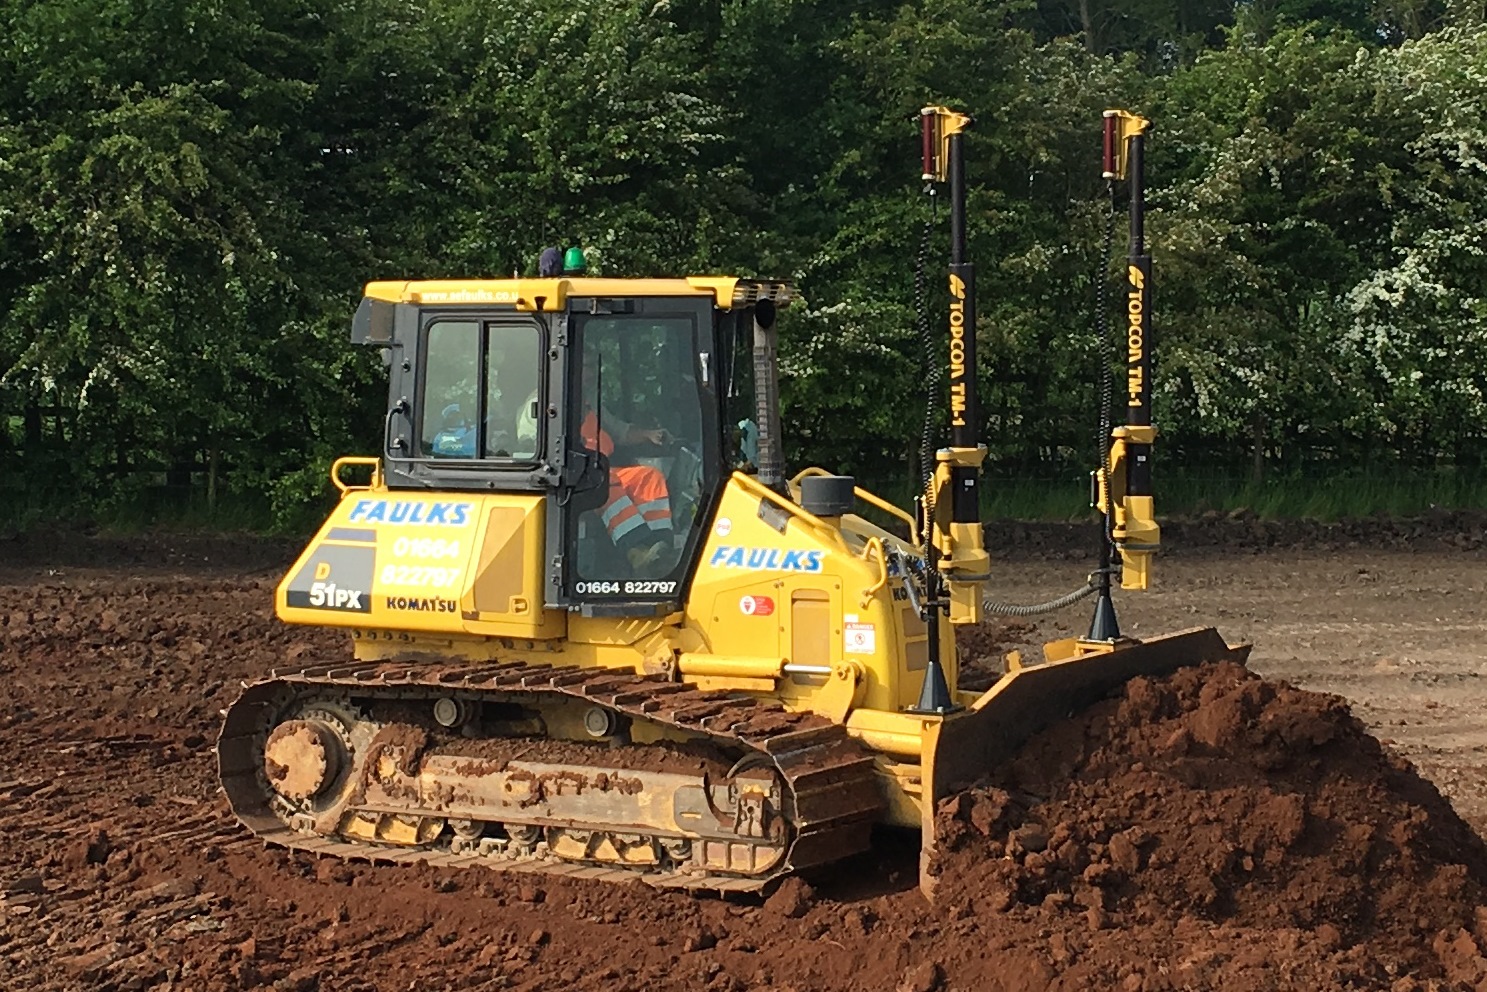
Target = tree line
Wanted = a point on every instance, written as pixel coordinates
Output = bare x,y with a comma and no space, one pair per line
192,194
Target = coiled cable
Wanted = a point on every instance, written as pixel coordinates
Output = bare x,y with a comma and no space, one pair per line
1037,609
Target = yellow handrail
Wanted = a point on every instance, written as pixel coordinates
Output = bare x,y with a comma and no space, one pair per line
345,460
875,544
866,497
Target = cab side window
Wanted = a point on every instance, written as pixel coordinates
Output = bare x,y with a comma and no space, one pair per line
481,391
451,386
513,367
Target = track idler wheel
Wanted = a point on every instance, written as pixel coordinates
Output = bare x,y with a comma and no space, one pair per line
302,758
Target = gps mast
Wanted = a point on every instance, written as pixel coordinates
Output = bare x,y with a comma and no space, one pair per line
1123,483
958,564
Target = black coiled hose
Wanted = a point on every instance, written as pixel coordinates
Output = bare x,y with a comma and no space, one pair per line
1011,610
932,375
1100,320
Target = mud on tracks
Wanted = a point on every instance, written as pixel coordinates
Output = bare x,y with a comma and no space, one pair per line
1239,833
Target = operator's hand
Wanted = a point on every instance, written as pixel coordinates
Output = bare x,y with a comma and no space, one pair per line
656,435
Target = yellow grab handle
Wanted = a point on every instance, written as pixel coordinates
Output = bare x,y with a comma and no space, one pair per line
345,460
875,544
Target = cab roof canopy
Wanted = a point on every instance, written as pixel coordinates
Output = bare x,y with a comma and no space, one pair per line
728,292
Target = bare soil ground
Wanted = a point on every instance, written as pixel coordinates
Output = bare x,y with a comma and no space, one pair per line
1399,631
1115,854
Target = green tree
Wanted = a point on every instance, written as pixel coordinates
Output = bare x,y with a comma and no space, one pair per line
1417,323
1268,199
168,275
574,122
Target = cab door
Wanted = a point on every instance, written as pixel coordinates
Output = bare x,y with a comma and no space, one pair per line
643,452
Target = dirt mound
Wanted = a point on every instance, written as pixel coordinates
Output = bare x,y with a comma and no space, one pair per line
1215,797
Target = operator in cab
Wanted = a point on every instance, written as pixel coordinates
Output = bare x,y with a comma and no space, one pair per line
637,512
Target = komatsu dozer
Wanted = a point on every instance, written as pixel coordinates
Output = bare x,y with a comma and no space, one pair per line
597,630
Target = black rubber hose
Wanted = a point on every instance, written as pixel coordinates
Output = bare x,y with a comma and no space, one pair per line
1101,321
1036,609
932,376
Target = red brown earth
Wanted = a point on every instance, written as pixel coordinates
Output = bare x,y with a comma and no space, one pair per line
1215,797
1212,830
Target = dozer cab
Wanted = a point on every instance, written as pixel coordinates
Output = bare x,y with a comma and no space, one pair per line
597,631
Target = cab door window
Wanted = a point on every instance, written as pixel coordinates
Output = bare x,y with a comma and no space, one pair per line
645,408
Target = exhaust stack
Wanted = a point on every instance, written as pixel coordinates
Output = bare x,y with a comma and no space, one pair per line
767,396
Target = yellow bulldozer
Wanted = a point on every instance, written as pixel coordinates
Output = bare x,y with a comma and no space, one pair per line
599,633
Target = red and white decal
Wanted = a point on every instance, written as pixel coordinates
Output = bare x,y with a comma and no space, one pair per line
756,606
861,638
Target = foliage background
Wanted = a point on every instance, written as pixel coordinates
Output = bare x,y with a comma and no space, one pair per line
192,193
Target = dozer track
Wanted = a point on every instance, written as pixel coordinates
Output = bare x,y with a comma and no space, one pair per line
420,760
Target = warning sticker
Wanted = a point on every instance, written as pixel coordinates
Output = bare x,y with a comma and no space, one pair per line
756,606
862,638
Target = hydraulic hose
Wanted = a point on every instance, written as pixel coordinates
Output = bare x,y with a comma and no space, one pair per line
1037,609
932,375
1100,318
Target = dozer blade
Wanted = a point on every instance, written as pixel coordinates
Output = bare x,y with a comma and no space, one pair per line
967,745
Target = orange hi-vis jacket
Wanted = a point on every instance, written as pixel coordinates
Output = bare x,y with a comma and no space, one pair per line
637,493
